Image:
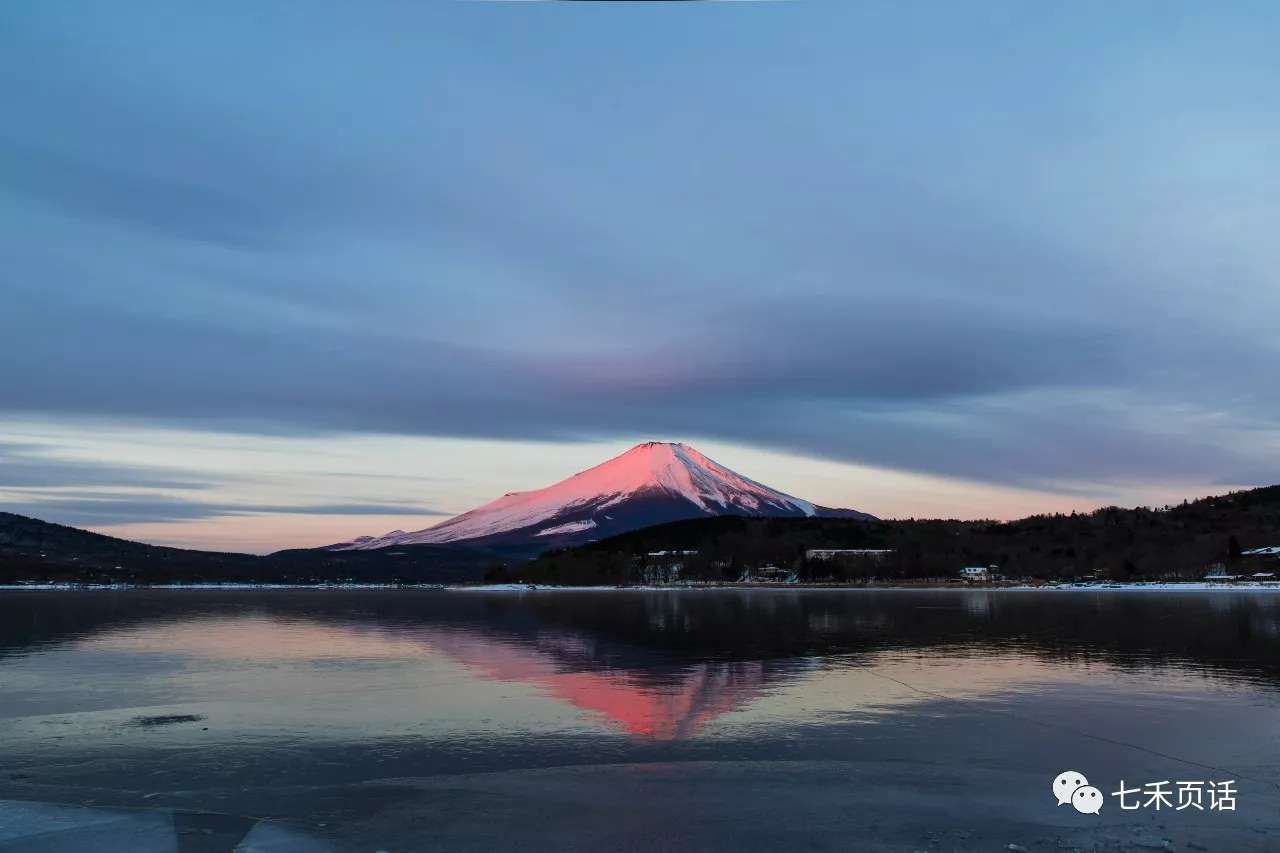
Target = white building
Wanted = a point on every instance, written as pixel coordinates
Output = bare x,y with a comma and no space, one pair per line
768,574
833,553
974,573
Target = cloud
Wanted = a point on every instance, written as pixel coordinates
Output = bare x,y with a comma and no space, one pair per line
99,509
34,481
985,268
27,465
171,206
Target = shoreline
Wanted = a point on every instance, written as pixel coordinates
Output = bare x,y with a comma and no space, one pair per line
1152,586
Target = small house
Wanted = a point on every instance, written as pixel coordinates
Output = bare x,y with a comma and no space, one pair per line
769,574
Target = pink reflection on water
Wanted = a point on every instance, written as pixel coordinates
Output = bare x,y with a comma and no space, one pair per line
677,705
666,704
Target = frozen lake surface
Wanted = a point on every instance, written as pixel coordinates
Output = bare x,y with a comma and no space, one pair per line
788,719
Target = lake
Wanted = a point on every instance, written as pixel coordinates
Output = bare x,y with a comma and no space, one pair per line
730,719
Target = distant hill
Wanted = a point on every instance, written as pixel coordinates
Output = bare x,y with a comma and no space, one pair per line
31,549
1122,544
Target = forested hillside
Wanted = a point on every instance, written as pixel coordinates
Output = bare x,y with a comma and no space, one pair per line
1180,541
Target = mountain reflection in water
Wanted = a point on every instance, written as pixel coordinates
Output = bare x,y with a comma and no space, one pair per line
781,718
661,702
664,704
663,665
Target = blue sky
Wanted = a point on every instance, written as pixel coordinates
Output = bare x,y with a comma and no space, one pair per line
963,259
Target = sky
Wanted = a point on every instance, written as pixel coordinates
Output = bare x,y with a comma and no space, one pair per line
281,274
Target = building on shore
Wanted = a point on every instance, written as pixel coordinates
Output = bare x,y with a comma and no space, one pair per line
977,573
768,574
838,553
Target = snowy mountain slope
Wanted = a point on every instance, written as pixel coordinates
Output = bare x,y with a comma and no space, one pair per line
651,483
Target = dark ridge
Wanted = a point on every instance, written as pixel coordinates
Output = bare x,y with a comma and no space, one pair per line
34,550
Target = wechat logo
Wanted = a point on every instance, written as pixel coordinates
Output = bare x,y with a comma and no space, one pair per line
1072,787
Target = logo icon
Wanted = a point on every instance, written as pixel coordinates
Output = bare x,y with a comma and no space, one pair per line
1071,787
1065,785
1087,799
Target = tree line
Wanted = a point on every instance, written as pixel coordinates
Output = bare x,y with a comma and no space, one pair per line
1180,542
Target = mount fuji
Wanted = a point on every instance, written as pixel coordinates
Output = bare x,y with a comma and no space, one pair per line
651,483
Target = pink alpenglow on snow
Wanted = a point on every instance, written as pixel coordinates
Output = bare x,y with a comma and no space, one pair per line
650,484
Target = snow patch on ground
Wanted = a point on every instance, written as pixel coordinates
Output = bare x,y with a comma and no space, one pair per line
571,527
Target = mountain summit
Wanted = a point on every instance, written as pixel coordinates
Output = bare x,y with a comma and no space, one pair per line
651,483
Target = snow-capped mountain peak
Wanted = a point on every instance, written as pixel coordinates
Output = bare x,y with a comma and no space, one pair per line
651,483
